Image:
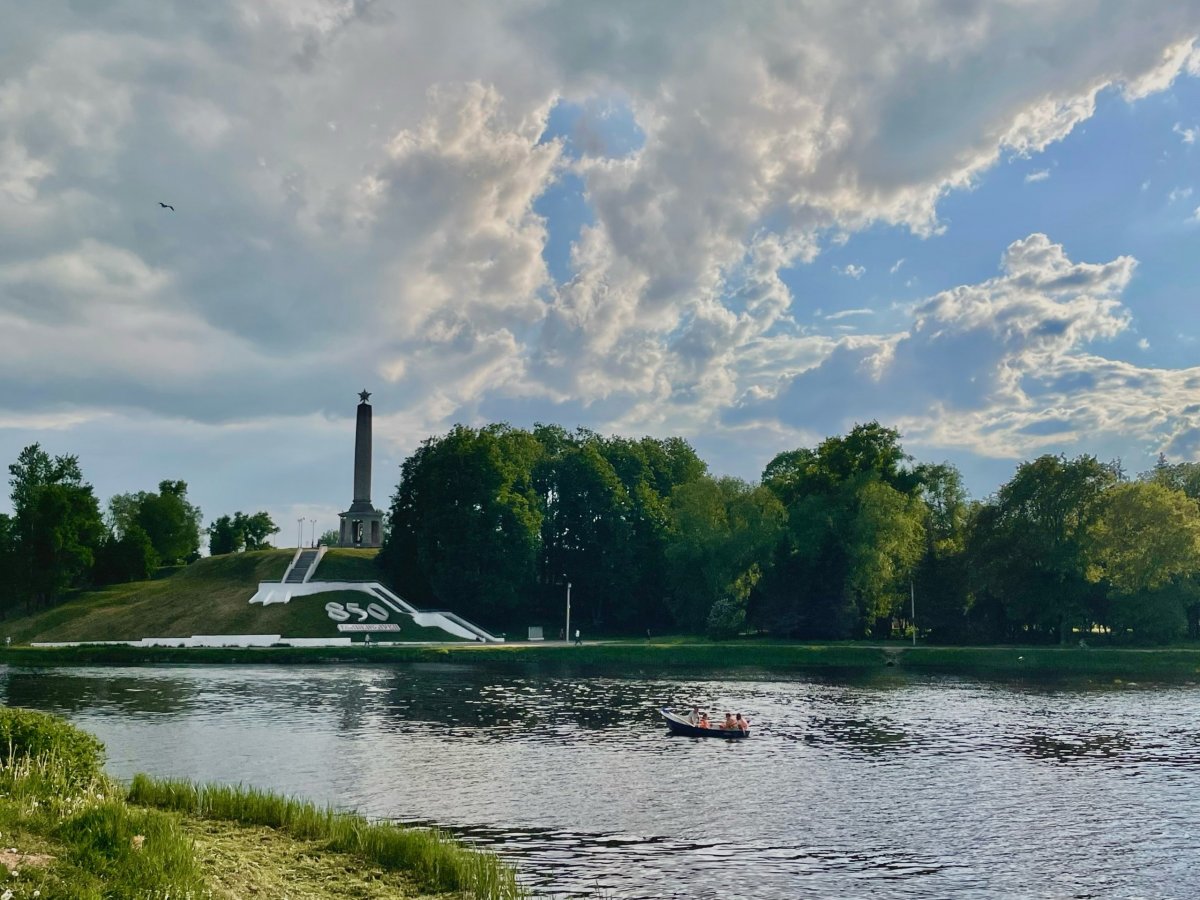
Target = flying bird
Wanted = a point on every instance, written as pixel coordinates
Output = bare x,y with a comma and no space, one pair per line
166,206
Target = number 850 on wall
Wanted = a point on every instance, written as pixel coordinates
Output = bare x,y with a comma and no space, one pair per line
341,612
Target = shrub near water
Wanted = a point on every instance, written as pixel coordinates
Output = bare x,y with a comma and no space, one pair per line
28,733
71,832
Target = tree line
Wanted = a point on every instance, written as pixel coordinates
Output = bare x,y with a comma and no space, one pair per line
58,539
835,541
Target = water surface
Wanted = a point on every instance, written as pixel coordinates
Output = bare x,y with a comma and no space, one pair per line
879,786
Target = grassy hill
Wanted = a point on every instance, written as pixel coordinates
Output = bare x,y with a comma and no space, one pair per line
211,596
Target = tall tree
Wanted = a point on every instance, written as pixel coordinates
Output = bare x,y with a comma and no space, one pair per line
940,581
1145,546
587,533
10,583
855,527
1030,544
464,524
130,557
255,530
224,537
723,534
167,517
57,523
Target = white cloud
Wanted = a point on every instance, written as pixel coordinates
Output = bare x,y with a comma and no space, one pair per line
846,313
896,266
1187,135
1040,175
1179,194
851,270
355,192
997,367
1143,344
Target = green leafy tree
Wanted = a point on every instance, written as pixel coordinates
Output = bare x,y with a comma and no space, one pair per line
171,522
57,523
464,524
130,557
224,537
232,534
10,586
940,581
1145,542
650,470
1029,548
854,536
330,538
255,530
723,535
587,533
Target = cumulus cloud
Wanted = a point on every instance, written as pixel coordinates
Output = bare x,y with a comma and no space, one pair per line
1187,135
850,270
995,367
356,196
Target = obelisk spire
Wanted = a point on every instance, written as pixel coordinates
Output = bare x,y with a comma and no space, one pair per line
362,523
362,451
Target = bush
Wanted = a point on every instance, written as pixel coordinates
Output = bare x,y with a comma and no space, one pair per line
726,619
27,733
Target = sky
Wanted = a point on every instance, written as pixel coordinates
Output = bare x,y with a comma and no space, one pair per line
749,225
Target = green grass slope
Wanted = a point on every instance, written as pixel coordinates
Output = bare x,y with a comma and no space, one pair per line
211,596
346,564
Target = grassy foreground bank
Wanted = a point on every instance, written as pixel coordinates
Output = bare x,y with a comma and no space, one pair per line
672,655
72,832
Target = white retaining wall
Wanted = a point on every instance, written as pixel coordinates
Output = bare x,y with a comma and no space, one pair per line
276,592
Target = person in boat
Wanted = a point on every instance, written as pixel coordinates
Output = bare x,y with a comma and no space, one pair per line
694,716
730,724
704,720
741,723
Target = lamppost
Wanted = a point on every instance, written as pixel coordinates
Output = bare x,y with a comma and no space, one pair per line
314,532
568,631
300,532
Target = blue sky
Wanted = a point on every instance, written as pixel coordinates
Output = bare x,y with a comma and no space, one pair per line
751,227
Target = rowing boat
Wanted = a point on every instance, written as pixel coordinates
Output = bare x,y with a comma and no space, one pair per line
680,725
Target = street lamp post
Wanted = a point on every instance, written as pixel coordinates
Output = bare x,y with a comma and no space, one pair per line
567,634
300,532
314,532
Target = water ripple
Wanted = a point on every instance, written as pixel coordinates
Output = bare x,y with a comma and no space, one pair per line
880,786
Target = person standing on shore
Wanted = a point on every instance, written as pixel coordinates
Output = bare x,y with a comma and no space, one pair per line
578,639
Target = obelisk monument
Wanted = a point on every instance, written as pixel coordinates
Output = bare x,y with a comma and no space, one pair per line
362,523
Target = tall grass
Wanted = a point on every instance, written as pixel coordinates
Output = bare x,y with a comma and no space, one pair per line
436,860
90,844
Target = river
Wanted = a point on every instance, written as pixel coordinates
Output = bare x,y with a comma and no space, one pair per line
880,785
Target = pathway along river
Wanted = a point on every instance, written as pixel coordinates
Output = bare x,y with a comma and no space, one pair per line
881,785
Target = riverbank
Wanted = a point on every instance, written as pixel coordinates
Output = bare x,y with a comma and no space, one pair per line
668,654
69,830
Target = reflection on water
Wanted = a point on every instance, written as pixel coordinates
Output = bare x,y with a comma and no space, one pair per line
880,785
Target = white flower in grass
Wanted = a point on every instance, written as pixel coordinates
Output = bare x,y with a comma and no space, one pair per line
7,895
